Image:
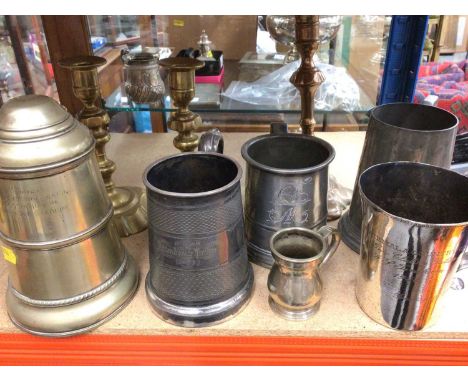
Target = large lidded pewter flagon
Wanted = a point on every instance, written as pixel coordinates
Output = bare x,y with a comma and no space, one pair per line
199,271
68,271
286,186
414,235
400,132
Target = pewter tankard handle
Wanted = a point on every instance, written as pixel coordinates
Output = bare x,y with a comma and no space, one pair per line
211,141
332,244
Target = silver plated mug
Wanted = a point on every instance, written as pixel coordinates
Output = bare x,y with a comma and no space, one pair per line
414,235
286,186
400,132
294,281
199,271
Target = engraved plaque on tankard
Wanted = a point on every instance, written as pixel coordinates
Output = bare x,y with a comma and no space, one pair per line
68,271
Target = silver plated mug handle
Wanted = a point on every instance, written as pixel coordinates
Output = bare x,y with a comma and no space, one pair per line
211,141
326,232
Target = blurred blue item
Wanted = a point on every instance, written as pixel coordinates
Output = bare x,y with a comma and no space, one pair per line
404,50
142,121
97,42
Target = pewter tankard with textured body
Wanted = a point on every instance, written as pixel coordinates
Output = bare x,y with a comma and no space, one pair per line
199,271
286,186
414,235
68,271
400,132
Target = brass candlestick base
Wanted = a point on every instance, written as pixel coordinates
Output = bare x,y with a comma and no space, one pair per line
129,210
129,202
308,77
182,90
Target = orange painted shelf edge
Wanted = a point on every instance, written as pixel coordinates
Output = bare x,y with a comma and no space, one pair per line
97,349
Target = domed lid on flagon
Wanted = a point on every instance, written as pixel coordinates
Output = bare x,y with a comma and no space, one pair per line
37,134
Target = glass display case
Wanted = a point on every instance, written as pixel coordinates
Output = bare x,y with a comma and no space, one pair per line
252,89
25,66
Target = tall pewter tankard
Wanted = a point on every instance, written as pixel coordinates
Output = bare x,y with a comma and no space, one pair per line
400,132
199,271
286,186
414,235
68,271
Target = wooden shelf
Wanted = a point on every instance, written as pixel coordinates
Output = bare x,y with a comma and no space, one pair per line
339,334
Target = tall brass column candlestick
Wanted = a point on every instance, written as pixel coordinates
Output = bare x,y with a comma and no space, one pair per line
308,77
307,80
182,89
129,202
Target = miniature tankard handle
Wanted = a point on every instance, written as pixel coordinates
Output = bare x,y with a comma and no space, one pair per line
211,141
278,128
332,244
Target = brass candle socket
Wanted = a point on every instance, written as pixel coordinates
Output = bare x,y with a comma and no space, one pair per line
129,202
182,90
308,77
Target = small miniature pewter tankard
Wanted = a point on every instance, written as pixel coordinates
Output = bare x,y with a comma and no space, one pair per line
68,271
199,271
294,281
286,186
414,235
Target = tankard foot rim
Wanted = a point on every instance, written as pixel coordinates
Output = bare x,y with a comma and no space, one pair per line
70,320
208,315
293,315
350,234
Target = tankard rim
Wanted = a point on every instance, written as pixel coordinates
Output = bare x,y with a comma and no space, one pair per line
145,59
400,218
298,231
282,171
382,123
215,191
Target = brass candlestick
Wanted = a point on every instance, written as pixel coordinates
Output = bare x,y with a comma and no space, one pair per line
307,80
308,77
182,90
129,202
